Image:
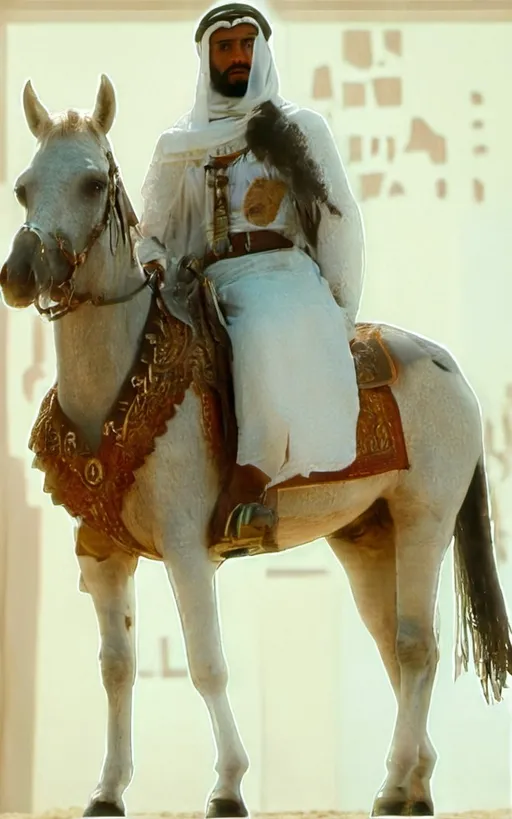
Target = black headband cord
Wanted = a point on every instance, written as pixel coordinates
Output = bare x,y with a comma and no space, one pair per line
229,13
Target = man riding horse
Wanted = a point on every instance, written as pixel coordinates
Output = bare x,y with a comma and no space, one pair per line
254,187
128,439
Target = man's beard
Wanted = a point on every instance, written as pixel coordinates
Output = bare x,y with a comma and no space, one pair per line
221,84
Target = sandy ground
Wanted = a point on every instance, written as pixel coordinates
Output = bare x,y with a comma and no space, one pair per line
75,813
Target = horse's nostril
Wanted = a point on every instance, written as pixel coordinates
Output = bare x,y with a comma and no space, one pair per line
3,274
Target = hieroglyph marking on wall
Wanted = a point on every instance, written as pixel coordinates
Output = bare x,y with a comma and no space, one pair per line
393,42
423,139
322,83
371,69
354,95
357,48
376,55
479,149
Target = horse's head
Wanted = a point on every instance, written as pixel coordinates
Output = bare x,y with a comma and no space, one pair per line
71,194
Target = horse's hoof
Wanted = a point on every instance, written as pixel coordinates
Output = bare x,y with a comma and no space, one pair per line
219,808
422,808
97,807
394,807
390,807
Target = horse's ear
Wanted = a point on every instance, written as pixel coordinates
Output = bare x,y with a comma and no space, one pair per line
37,116
105,108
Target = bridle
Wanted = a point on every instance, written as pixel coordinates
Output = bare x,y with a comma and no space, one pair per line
117,209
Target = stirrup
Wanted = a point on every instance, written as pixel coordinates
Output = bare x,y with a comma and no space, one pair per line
242,539
238,524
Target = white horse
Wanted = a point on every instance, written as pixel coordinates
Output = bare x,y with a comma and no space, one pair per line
390,532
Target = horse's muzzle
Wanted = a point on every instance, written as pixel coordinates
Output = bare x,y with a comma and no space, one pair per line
18,279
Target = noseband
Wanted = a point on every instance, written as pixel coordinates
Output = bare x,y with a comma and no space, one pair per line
117,207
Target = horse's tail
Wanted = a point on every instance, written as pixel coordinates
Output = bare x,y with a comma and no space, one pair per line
481,608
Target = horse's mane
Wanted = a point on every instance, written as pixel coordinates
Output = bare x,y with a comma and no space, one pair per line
70,123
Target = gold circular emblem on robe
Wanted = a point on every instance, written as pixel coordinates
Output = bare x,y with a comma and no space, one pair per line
263,200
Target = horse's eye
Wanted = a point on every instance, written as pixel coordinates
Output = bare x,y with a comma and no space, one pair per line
93,187
20,193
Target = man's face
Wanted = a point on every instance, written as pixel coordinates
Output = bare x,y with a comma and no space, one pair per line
231,51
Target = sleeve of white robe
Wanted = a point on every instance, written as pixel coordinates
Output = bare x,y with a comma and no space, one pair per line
159,195
340,253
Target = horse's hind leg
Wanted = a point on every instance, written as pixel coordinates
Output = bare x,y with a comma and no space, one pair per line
111,586
421,540
366,550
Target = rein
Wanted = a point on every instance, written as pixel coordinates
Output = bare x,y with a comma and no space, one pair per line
69,300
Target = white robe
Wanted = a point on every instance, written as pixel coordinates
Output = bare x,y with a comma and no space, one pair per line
295,387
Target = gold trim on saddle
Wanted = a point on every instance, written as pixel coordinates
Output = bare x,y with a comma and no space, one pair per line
374,364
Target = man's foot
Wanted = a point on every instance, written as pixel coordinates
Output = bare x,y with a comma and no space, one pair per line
241,521
249,516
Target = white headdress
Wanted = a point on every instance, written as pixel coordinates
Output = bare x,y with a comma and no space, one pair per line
216,120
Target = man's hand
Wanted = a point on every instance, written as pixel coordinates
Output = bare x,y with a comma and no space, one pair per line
188,276
155,268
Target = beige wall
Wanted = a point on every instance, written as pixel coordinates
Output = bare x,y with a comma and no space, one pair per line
440,266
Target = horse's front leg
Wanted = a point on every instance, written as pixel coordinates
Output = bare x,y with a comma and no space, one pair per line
111,586
191,573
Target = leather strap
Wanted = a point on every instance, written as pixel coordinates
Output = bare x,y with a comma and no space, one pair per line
256,241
